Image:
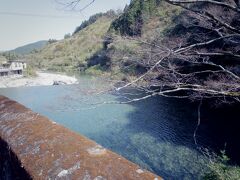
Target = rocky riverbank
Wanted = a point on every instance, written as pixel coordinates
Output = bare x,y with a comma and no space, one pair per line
42,79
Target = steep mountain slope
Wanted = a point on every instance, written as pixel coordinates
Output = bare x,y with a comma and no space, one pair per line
193,50
156,18
142,15
72,53
96,44
26,49
94,18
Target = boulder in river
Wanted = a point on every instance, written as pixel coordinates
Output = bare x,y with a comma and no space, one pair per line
55,83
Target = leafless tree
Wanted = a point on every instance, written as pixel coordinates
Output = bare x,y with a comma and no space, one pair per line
202,62
79,5
201,59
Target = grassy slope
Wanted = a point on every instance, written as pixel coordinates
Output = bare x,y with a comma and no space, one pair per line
162,20
68,54
72,53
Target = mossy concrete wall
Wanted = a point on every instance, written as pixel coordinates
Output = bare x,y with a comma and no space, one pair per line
32,146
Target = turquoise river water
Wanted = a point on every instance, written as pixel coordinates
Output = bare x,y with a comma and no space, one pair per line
156,133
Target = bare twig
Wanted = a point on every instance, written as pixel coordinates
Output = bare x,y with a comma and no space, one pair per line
218,3
198,122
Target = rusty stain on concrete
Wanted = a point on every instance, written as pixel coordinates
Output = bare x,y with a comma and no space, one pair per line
47,150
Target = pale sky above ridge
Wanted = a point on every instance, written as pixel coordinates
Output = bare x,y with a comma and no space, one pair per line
27,21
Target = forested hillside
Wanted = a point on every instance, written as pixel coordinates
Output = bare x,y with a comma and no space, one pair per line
132,21
96,46
72,53
179,47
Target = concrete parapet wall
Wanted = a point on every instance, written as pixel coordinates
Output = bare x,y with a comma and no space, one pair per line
35,147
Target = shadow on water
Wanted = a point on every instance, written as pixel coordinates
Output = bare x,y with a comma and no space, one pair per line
223,126
159,136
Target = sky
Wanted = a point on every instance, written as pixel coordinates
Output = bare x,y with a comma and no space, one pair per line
27,21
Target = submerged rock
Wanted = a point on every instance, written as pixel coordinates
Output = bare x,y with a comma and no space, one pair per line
55,83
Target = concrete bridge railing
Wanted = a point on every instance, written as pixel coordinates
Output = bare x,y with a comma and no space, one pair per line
33,147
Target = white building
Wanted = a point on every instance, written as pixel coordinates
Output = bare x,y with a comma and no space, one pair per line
14,67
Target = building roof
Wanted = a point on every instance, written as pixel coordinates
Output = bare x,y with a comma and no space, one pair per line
18,60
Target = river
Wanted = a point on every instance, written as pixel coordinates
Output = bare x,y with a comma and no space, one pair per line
156,133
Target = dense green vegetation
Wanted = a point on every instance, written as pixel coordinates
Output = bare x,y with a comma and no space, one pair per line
110,14
30,71
10,56
219,169
132,21
95,46
125,54
73,53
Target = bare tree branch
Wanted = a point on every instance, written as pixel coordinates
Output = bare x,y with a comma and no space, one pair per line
73,4
187,48
198,123
227,5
